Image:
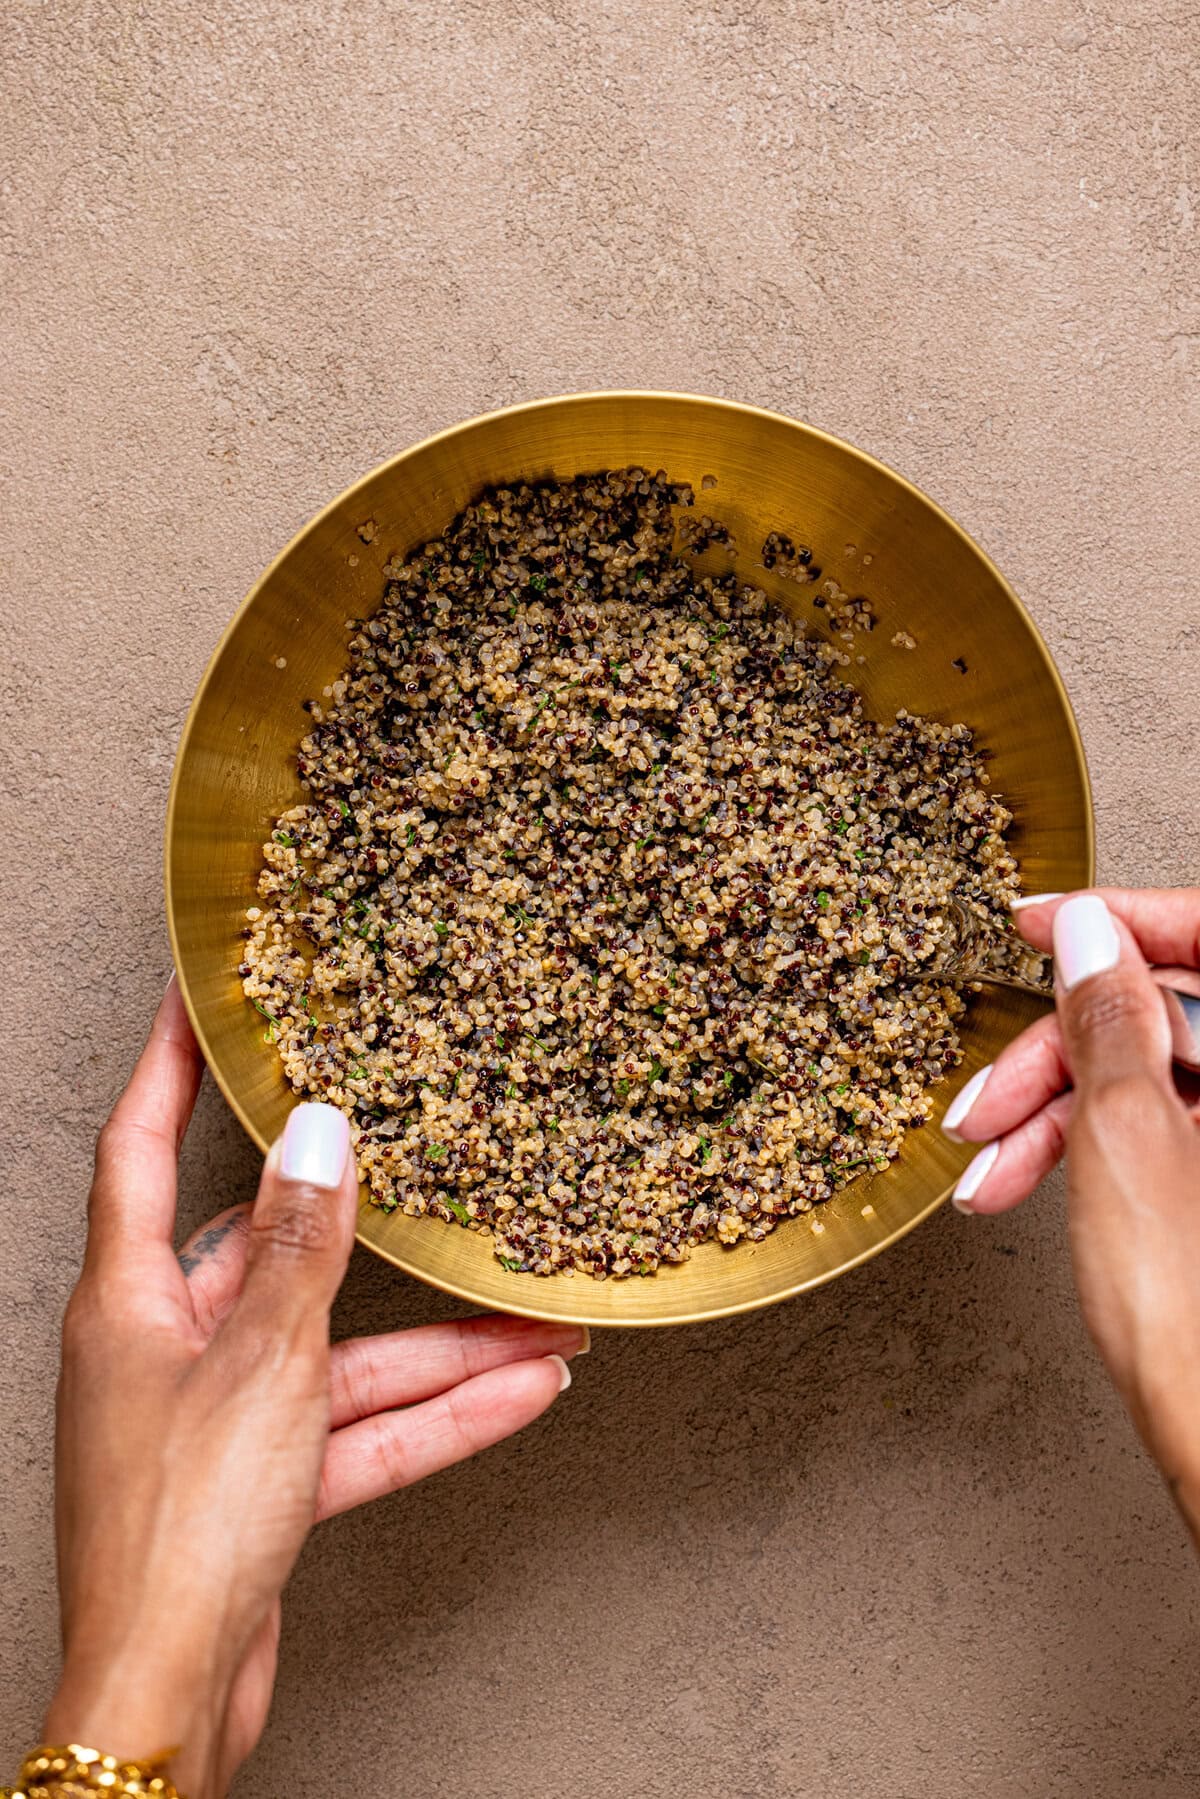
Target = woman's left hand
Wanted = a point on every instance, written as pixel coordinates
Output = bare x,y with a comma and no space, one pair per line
205,1424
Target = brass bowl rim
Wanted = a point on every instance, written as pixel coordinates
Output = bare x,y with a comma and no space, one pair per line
518,1307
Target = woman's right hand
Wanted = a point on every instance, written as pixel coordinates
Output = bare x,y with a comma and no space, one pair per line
1096,1076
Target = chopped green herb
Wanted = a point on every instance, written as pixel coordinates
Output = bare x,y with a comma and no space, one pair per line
456,1206
344,809
824,900
509,1262
478,559
539,583
706,1149
765,1066
284,837
660,1010
435,1152
442,929
410,834
657,1070
261,1008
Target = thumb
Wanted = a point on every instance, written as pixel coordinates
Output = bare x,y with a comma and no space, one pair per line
1131,1155
1114,1022
302,1226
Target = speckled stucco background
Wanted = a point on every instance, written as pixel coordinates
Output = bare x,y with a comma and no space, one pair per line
894,1540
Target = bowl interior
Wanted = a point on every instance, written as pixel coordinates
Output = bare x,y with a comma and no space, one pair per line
867,528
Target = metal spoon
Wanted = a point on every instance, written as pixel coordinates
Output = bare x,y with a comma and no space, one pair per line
973,951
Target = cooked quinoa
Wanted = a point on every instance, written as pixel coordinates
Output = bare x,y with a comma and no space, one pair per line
609,916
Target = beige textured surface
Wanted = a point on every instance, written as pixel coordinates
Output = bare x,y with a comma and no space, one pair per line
895,1539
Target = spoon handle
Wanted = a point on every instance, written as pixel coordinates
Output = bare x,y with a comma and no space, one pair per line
1181,997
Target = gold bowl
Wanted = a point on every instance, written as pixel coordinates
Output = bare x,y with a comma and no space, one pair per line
757,472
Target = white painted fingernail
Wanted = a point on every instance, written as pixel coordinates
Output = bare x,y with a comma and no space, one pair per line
316,1142
1085,939
962,1102
1032,899
564,1373
973,1177
585,1340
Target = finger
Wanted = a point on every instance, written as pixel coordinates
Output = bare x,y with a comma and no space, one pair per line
376,1374
1006,1171
132,1201
214,1262
302,1226
394,1449
1164,920
1026,1076
1114,1023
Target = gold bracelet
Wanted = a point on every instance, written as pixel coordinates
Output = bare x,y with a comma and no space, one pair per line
73,1771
